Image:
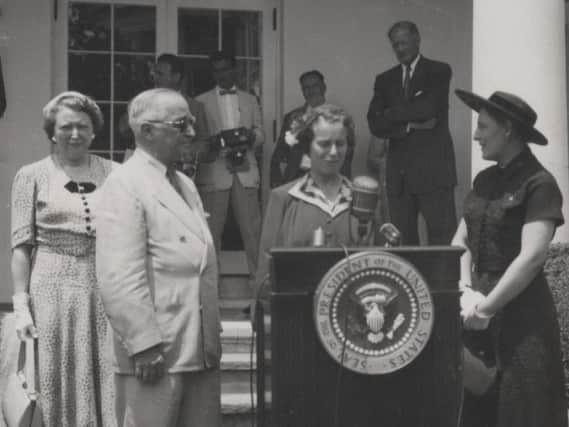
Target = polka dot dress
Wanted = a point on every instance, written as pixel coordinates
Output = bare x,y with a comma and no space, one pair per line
56,216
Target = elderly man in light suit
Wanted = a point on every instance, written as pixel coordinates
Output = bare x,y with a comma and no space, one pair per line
227,107
158,278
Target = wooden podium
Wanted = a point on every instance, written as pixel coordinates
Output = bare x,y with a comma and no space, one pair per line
300,385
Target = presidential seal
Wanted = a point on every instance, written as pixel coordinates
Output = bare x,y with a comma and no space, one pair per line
373,312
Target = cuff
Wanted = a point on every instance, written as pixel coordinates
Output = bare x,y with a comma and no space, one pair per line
143,341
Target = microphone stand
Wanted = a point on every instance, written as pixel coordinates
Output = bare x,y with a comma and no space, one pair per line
365,231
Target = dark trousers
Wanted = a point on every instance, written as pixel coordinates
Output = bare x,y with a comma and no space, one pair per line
437,207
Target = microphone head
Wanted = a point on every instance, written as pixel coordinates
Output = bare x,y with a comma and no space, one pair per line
366,183
391,234
365,196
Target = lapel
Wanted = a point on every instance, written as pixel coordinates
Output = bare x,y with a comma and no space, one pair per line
191,195
418,76
184,210
397,81
167,196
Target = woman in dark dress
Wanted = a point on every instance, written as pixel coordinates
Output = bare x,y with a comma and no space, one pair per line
509,219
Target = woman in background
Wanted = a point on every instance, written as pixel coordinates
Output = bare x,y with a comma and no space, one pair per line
54,204
509,219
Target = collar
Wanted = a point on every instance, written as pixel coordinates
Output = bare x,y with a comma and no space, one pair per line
307,107
412,66
307,190
218,90
520,161
154,162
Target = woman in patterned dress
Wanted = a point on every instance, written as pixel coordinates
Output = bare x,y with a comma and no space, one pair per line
509,316
54,204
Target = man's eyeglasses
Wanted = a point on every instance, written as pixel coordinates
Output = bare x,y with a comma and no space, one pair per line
181,125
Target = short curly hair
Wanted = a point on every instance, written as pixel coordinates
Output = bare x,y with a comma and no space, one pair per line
328,112
75,101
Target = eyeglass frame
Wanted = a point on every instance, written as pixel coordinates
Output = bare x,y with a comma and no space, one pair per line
177,124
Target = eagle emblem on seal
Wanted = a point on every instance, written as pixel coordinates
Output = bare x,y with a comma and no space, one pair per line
374,300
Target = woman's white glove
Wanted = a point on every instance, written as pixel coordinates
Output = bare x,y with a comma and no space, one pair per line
25,327
469,299
471,317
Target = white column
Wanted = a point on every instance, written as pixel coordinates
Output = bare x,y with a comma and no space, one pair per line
519,47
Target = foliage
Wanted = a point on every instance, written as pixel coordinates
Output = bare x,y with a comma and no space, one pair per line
557,272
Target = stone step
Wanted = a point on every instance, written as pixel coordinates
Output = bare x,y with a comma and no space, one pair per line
234,403
238,403
238,373
236,336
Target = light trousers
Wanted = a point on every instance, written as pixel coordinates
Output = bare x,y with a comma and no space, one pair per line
188,399
245,204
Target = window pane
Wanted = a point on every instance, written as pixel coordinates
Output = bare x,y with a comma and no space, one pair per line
132,75
89,26
90,74
197,31
135,28
241,32
123,136
197,76
102,139
118,156
249,76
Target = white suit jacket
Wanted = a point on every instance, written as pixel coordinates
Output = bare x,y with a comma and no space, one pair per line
215,176
156,268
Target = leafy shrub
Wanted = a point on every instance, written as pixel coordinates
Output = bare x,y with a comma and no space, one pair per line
557,272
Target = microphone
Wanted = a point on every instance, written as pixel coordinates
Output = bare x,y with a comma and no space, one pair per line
391,234
365,196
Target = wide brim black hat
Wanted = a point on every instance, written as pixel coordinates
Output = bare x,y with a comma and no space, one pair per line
509,105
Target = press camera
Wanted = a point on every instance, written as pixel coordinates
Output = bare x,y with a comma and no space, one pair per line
233,143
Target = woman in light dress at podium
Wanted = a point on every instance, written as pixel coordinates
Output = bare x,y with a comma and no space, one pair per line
317,205
509,315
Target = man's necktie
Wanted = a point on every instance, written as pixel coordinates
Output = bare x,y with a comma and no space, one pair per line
406,81
227,92
173,179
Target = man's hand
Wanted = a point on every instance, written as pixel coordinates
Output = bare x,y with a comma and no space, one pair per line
149,364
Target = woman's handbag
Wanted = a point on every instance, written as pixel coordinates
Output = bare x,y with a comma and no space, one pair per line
20,405
478,375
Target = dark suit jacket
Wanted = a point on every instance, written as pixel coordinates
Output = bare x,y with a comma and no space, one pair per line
421,159
292,156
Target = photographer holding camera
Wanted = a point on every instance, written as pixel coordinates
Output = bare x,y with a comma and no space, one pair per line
228,170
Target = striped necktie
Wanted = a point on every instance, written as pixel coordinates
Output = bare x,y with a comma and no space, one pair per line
173,179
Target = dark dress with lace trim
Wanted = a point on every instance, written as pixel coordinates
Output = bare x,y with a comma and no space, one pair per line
523,338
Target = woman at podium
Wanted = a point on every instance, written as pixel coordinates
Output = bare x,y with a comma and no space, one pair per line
313,210
510,321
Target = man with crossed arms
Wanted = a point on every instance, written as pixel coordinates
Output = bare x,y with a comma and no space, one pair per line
410,108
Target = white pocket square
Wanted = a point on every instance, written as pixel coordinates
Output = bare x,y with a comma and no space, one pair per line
419,92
